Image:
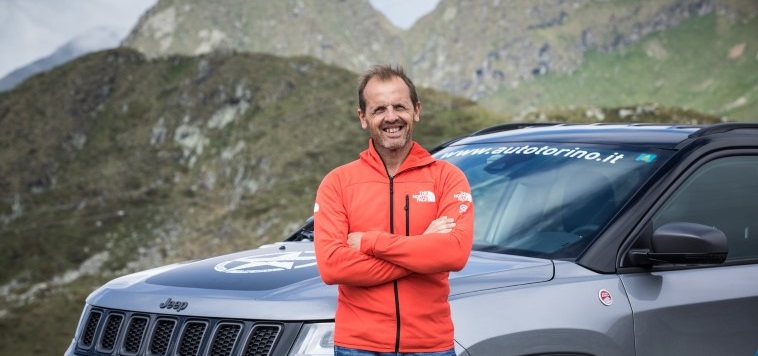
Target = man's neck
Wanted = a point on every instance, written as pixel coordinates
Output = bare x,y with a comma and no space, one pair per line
393,158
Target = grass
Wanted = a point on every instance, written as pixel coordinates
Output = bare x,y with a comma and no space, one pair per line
140,205
301,123
684,67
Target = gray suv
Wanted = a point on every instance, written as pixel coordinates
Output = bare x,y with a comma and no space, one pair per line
596,239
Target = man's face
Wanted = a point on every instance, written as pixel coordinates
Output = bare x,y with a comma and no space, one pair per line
389,115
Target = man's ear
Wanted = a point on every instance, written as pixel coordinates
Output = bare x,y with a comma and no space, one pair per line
418,112
362,118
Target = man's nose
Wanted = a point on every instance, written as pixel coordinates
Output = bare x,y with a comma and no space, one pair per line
392,115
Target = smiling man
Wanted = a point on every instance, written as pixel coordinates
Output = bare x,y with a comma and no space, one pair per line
389,227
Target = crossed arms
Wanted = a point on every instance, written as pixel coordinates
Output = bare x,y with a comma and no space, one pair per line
370,258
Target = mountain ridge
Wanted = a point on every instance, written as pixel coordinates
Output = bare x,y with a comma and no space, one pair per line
117,161
114,163
99,39
483,50
154,161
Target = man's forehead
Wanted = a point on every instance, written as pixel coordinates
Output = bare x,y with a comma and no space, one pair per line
384,88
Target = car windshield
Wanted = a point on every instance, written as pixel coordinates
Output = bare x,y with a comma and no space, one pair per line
548,200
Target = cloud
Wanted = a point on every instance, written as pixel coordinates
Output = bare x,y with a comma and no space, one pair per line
30,30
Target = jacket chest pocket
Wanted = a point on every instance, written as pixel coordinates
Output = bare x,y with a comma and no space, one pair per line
418,205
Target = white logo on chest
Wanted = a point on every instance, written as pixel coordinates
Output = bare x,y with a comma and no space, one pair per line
425,196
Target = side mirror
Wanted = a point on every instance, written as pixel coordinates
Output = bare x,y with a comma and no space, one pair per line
683,243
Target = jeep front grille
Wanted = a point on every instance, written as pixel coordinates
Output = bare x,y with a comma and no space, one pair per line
191,338
109,332
164,330
135,333
226,338
262,339
88,334
112,324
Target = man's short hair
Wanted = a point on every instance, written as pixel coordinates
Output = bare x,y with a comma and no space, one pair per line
384,72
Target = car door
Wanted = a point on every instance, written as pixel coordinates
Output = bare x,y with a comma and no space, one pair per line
704,310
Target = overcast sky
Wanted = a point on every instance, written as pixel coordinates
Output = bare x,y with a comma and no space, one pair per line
33,29
403,13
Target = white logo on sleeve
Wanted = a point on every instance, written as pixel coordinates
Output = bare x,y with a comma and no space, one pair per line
463,196
315,208
425,196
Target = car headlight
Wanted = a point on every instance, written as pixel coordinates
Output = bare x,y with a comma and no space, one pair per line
314,339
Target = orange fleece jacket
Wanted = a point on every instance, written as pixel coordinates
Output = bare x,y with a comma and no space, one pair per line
393,294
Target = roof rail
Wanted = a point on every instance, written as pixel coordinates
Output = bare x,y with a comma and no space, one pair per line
511,126
491,129
723,127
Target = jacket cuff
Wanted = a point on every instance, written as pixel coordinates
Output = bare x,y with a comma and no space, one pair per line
368,240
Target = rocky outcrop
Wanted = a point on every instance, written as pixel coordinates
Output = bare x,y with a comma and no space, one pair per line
470,48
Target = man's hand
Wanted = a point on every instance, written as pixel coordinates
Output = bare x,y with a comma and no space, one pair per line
442,224
354,240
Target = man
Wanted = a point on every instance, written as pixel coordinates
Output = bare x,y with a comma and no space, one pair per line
389,227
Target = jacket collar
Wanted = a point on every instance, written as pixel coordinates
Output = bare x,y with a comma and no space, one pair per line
417,157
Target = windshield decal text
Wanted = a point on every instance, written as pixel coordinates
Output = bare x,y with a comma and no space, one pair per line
576,152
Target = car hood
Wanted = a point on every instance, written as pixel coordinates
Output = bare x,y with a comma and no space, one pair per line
280,282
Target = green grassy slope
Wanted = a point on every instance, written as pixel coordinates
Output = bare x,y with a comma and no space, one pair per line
114,163
688,67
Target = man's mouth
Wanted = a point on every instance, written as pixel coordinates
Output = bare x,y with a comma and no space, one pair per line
391,129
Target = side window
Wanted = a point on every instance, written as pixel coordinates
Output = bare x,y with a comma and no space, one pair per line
724,194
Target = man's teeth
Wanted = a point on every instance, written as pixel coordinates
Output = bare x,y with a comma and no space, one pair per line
392,129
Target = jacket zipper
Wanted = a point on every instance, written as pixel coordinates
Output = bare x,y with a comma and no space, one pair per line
394,283
407,233
397,294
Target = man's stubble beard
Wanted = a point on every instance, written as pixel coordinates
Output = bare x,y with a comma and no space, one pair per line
394,145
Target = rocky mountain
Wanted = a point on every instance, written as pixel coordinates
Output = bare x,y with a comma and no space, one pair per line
119,161
482,49
350,34
114,163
